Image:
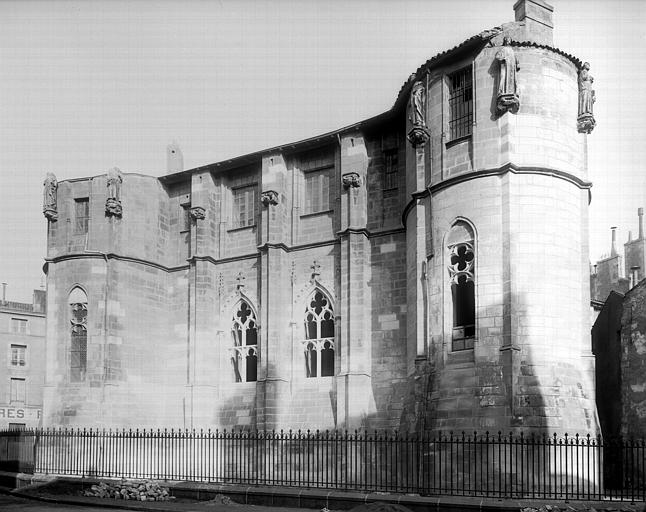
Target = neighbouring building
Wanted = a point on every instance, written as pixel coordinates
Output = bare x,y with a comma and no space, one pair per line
424,269
616,272
22,357
618,338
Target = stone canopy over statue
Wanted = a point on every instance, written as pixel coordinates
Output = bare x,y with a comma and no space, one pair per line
113,203
50,208
585,119
507,99
418,135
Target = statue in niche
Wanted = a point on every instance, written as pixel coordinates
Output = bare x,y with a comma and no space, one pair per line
507,98
419,133
50,209
113,203
417,105
585,119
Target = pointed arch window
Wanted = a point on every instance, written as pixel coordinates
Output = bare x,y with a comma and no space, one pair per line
319,336
461,269
78,335
244,356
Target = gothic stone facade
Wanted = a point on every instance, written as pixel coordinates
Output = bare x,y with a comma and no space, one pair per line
424,269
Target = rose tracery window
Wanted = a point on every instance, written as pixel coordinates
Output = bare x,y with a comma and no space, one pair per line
462,279
319,337
244,356
78,328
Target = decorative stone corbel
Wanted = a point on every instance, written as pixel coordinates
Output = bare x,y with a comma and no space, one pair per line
241,279
316,272
418,136
197,213
269,197
351,180
113,207
585,123
50,208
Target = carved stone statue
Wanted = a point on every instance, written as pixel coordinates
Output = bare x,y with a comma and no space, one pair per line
417,105
507,98
585,119
113,203
50,208
419,133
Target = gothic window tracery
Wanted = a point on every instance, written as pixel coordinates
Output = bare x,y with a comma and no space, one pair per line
244,357
78,335
319,336
461,267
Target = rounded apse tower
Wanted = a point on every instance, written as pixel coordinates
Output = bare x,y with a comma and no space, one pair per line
497,233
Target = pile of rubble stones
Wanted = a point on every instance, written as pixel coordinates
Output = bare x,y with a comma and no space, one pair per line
623,507
141,490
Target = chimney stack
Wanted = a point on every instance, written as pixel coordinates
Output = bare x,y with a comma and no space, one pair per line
634,275
537,16
613,247
640,213
174,158
4,292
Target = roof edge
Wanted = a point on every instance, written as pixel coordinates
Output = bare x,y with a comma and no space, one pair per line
474,43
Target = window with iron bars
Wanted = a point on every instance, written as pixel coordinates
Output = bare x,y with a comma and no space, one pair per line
390,169
460,104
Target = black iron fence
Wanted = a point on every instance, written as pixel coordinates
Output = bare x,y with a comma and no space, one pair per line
514,466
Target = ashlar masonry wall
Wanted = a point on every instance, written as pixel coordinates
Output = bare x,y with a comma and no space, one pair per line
518,181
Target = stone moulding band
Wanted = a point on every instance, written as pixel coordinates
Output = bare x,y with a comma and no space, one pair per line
485,173
210,259
112,256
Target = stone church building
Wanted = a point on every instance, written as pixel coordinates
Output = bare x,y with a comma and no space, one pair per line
424,269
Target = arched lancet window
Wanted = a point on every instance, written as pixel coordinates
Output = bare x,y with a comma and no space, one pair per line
319,336
245,344
78,334
461,266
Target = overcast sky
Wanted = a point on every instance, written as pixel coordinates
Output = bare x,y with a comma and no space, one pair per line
88,85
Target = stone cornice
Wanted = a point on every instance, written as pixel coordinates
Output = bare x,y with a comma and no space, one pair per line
485,173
